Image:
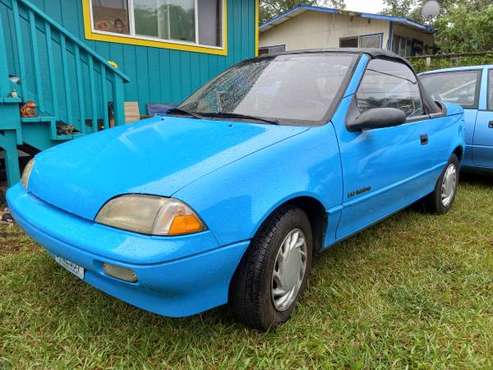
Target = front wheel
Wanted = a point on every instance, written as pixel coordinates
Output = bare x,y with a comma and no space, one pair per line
274,271
442,198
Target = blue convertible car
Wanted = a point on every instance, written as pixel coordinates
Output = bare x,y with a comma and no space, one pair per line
472,88
228,197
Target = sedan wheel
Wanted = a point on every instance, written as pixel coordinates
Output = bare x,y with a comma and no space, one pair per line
289,270
442,198
274,270
449,184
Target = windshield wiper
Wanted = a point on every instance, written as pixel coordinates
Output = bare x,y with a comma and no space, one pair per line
240,116
185,112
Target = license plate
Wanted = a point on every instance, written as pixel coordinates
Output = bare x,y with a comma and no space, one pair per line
71,267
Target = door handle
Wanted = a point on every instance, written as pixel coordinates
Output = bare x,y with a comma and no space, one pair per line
423,139
490,124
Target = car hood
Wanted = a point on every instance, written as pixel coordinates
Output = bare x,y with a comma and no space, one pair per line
155,156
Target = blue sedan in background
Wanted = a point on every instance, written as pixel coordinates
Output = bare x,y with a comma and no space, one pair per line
472,88
227,198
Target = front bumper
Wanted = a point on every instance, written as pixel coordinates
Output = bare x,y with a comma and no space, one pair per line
178,276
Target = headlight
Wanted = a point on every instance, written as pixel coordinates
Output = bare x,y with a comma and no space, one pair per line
27,173
150,215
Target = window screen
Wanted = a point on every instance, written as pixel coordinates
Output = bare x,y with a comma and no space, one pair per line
370,41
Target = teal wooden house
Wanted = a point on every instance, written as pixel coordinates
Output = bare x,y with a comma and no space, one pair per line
78,61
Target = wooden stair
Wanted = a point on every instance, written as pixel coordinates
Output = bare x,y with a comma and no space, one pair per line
67,80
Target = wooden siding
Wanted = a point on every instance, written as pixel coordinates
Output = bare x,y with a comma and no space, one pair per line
157,75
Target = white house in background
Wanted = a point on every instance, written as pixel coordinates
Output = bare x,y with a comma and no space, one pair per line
313,27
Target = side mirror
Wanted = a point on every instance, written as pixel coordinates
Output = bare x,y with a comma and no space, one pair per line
377,118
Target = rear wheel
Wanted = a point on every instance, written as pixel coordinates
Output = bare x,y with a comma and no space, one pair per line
274,271
442,198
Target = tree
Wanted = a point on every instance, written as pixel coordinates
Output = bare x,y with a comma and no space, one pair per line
272,8
465,26
399,8
461,26
404,8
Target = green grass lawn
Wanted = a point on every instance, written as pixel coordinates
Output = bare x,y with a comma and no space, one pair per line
414,291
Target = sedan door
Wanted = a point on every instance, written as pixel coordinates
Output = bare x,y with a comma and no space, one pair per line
461,87
483,134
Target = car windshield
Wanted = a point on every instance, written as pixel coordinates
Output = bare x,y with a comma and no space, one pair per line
295,88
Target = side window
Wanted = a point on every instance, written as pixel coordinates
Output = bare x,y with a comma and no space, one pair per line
490,90
389,84
461,87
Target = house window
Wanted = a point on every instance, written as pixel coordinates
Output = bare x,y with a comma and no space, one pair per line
371,41
270,50
210,22
165,19
407,47
110,16
191,22
348,42
363,41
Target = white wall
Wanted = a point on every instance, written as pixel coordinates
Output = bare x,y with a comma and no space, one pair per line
317,30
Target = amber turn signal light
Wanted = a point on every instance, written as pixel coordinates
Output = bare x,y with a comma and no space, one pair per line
185,224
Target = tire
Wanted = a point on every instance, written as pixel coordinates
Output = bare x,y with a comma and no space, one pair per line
255,296
441,200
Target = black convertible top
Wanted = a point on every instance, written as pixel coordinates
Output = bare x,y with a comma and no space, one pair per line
372,52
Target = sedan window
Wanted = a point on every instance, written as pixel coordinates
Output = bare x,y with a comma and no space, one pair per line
460,87
296,88
389,84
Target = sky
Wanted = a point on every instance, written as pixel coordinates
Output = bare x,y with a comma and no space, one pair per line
369,6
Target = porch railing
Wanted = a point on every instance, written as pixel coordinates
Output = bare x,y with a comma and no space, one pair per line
67,80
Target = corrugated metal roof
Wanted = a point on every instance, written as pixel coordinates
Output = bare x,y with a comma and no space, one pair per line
319,9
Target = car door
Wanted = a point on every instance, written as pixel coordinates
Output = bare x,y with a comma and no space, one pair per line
389,168
483,134
461,87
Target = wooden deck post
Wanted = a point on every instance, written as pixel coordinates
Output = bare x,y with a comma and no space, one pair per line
118,101
8,142
10,137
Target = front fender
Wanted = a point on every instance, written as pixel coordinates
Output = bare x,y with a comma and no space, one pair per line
235,199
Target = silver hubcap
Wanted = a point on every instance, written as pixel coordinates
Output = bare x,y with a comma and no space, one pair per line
289,270
449,185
